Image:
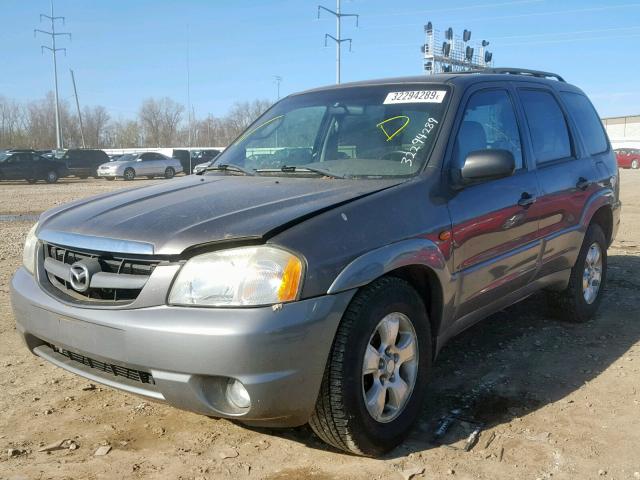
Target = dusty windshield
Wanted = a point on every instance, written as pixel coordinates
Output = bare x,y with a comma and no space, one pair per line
382,131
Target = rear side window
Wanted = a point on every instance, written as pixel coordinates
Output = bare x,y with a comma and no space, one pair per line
587,120
547,126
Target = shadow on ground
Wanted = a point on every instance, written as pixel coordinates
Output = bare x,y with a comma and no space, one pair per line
519,360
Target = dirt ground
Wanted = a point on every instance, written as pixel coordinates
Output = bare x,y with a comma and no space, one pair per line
557,400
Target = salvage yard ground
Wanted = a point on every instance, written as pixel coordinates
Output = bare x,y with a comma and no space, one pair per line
557,400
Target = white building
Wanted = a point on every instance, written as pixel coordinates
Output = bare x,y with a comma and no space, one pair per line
624,132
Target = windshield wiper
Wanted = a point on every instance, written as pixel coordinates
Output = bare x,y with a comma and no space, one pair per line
294,169
229,167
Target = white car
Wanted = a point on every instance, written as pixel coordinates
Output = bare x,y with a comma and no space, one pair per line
148,164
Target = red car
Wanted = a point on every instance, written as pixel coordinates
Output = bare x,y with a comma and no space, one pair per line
628,158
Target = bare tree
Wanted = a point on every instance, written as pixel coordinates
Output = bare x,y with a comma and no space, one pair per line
95,120
160,120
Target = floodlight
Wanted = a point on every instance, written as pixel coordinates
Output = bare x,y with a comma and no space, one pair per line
469,53
449,34
466,36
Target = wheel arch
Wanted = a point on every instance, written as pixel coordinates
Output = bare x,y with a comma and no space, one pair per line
417,261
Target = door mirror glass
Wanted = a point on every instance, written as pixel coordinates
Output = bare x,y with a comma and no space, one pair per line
482,165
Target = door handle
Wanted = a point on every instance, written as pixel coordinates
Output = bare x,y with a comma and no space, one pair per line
583,183
526,200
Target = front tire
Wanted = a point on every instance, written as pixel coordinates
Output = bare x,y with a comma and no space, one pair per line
375,377
51,176
129,174
580,300
169,173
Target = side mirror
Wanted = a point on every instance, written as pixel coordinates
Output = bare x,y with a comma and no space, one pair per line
483,165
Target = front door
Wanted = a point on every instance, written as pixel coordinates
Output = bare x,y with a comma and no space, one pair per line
495,234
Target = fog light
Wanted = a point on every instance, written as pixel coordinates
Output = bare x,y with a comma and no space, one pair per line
237,394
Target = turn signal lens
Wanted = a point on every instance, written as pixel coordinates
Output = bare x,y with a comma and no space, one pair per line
290,282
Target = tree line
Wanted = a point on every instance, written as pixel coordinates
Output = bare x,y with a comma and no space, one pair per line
160,122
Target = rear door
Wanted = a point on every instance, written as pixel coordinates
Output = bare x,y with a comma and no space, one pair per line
18,167
566,174
494,232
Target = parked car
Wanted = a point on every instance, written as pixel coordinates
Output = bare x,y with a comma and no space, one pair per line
628,158
84,162
115,156
183,157
204,159
316,270
30,167
148,164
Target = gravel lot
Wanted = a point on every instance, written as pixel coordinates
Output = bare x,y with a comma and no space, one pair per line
557,400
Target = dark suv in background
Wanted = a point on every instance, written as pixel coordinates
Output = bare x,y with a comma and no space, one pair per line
315,270
84,162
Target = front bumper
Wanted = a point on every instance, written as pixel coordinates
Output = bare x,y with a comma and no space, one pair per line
279,354
109,173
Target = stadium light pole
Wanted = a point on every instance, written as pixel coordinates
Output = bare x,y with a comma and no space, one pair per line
53,49
338,39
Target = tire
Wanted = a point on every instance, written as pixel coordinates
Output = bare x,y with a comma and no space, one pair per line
129,174
169,173
634,164
576,303
51,176
341,418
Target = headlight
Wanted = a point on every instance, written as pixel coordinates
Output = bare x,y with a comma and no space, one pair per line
260,275
29,252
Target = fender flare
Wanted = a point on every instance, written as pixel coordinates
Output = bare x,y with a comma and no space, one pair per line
602,198
375,263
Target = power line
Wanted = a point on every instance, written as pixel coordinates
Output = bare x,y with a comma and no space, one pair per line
53,49
337,39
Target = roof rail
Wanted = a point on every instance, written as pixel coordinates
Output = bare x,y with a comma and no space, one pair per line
519,71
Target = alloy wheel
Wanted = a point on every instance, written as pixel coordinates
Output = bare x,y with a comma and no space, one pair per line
592,274
390,367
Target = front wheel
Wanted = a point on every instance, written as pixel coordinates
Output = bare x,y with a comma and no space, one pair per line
580,300
376,374
51,177
634,164
129,174
169,173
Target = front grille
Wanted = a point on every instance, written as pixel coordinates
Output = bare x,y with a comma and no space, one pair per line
111,264
115,370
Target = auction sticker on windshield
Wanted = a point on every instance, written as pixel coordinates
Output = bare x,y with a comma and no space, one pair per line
415,96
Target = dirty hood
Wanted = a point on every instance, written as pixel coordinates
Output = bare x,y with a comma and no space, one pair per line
169,217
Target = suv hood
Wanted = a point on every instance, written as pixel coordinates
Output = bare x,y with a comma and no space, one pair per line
167,218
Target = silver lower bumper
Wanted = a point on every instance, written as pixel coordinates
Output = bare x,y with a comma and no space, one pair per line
278,354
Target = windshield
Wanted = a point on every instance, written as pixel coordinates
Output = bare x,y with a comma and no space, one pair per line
382,131
4,156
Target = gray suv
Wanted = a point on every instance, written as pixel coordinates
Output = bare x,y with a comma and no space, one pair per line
315,270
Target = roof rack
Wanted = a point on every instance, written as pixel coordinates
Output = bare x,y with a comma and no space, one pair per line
519,71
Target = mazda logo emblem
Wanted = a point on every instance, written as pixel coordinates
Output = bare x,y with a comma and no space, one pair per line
79,277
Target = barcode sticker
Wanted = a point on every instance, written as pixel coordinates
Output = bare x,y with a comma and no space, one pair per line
415,96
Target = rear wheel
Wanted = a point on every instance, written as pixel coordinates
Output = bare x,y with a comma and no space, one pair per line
51,176
376,374
169,172
580,300
129,174
634,164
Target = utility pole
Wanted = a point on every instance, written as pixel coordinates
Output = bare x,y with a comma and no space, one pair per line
53,34
75,92
278,80
338,39
189,101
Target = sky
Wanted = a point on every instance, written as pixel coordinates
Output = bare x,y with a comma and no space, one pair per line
123,51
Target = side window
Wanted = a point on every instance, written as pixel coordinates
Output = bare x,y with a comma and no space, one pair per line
547,126
587,120
146,156
489,122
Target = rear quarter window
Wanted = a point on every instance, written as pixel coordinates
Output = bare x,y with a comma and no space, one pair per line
587,120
